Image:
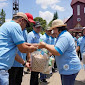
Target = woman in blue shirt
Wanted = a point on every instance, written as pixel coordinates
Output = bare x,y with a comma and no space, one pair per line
67,60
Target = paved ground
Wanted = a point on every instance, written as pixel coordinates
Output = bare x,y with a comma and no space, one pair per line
55,79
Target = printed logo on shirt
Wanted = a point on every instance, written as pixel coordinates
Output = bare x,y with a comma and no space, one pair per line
35,37
66,67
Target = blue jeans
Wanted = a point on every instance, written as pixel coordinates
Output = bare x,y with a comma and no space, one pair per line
42,76
68,79
4,77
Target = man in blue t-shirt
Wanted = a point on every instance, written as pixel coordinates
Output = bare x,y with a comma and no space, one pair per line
81,45
11,37
16,71
34,38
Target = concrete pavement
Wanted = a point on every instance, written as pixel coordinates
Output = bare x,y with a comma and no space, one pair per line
55,79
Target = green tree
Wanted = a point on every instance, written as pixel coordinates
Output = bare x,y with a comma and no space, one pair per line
29,29
2,17
50,23
55,16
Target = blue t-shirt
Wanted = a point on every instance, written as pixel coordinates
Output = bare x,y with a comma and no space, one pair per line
45,38
75,39
52,40
81,43
22,55
10,36
33,37
68,62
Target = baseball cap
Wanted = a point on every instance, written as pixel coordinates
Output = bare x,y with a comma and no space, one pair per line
30,18
37,24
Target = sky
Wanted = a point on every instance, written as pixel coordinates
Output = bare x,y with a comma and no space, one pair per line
39,8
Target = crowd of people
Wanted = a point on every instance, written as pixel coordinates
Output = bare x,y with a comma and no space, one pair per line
16,44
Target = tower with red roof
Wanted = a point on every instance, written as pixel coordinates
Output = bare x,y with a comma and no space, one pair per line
77,20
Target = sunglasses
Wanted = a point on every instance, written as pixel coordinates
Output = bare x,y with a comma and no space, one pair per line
27,24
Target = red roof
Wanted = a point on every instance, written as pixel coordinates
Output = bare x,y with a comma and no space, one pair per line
74,1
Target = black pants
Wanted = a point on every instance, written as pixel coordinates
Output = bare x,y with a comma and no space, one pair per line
55,66
15,75
34,78
79,54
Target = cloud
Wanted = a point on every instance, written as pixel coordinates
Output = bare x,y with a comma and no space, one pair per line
4,4
48,16
50,3
45,3
56,7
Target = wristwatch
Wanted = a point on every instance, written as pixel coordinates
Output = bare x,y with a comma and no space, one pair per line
24,64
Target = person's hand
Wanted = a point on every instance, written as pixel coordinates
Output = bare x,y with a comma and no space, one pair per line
28,65
50,54
41,45
29,60
28,44
36,45
32,48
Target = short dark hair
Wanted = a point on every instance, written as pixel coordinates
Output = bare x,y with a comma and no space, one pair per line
62,28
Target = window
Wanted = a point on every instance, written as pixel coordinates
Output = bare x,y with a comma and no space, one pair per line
78,9
84,9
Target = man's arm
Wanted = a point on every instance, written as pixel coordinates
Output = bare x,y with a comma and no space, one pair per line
28,57
52,49
20,60
49,48
26,47
78,48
